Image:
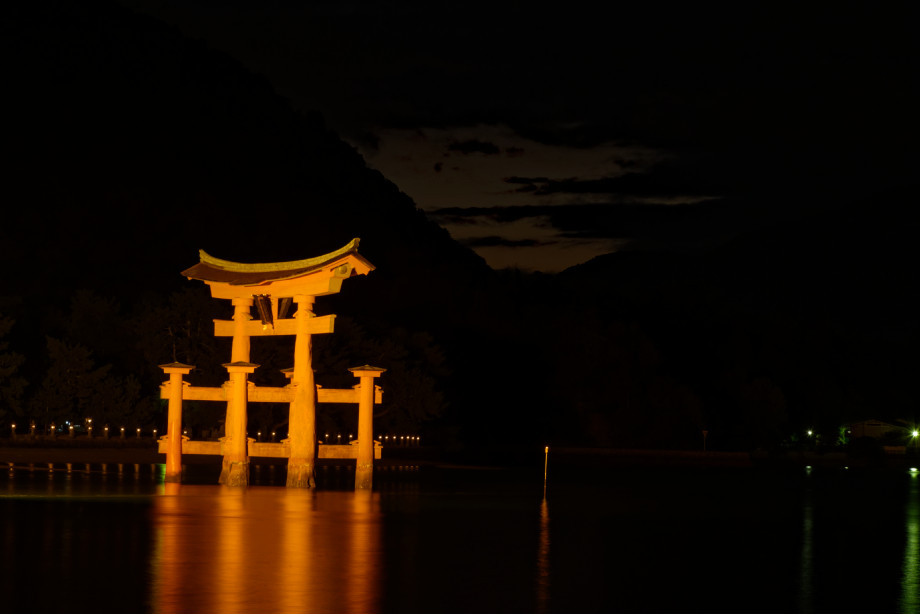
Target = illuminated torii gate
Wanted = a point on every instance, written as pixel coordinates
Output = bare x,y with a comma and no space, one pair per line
272,287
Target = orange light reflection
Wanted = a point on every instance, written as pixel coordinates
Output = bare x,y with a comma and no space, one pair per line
263,549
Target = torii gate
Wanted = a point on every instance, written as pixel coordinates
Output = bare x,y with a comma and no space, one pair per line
272,287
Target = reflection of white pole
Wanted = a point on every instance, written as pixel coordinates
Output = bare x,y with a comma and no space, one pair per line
543,571
910,569
545,465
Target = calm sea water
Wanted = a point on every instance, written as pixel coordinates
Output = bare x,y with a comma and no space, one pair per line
114,539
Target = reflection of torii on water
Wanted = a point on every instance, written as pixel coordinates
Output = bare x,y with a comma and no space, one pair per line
272,287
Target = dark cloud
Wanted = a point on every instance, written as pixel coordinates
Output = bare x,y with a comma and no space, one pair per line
631,184
527,187
706,222
586,134
438,167
473,147
525,180
690,176
496,241
514,152
527,184
478,215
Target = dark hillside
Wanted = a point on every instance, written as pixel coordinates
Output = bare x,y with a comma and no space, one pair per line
130,147
817,312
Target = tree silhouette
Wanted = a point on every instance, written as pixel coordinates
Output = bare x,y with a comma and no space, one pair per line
12,385
69,386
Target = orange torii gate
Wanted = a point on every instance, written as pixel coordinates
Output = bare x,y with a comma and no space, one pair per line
272,287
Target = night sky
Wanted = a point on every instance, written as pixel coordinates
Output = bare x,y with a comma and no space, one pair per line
542,137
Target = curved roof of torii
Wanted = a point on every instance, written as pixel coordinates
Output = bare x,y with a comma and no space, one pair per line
252,274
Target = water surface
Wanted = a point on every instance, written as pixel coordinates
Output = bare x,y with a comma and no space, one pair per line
116,539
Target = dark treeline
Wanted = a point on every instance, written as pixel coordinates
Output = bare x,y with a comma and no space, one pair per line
99,359
130,147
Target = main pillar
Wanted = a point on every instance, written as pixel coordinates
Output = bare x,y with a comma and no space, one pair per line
242,313
239,354
174,420
364,470
302,416
235,469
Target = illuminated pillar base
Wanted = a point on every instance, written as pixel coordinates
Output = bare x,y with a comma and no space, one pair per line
234,473
173,465
301,473
364,477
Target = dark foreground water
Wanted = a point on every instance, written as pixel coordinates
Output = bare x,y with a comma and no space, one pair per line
113,539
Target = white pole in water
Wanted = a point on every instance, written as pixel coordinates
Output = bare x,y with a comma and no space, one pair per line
545,465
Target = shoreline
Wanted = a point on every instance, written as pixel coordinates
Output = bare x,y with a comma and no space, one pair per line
561,457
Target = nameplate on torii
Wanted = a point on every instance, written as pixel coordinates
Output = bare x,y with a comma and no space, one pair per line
271,394
288,326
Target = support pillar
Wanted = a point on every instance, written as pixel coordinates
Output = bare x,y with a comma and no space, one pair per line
302,416
235,469
364,470
174,420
